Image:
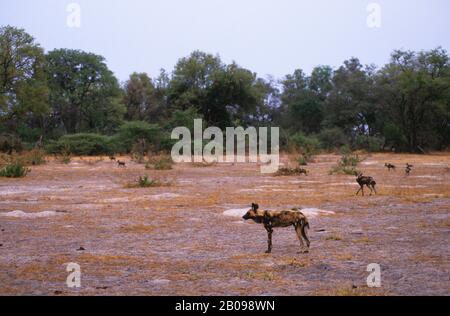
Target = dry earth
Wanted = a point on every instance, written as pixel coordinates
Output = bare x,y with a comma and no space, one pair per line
176,240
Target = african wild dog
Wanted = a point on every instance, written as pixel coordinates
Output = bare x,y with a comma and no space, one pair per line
112,158
390,166
275,219
366,181
303,171
408,169
121,163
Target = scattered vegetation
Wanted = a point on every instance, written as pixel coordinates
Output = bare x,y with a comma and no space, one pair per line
10,143
82,145
203,164
15,169
65,157
286,171
35,157
160,163
146,182
347,164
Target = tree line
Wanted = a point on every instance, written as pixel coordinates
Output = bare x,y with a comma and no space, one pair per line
403,105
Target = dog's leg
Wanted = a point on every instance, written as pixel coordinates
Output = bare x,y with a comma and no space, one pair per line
269,239
308,243
358,191
298,230
373,186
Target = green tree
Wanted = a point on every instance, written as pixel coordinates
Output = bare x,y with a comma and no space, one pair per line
351,104
221,93
414,92
84,92
144,101
23,86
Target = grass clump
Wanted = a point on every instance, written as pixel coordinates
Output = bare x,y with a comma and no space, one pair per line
160,163
347,165
146,182
286,171
36,157
15,169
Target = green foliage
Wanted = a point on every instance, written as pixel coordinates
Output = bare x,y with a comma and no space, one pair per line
146,182
148,136
23,86
332,138
370,143
347,164
403,105
310,145
10,143
82,145
14,169
84,94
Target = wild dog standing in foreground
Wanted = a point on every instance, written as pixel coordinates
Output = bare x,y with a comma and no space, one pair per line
366,181
121,164
275,219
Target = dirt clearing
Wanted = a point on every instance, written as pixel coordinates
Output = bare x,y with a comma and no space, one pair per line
189,239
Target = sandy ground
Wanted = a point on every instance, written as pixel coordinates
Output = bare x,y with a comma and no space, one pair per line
176,240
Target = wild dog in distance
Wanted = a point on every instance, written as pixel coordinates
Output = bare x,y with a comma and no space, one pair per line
390,166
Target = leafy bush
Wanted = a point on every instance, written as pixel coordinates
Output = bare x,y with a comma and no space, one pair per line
332,138
160,163
308,144
82,145
369,143
10,143
15,169
347,165
139,136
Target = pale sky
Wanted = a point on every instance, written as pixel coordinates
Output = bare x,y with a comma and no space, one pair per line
266,36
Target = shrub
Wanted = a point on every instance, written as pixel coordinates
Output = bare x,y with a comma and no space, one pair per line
370,143
160,163
15,169
139,136
291,172
332,138
146,182
309,145
10,143
82,145
347,165
35,157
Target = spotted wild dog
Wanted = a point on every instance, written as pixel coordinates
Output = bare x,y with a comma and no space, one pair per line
390,166
408,169
366,181
280,219
303,171
112,158
121,163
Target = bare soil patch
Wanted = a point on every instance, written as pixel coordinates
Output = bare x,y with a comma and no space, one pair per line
177,240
